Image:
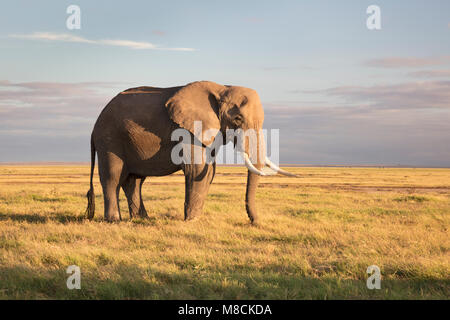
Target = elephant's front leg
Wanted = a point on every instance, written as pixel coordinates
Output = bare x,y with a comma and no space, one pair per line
198,178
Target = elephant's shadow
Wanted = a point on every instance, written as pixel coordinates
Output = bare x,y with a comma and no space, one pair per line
41,219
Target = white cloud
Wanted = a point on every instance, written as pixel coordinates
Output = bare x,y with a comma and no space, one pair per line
51,37
64,37
129,44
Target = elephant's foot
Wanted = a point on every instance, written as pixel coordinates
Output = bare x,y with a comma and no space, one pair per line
143,213
113,217
254,223
190,214
252,215
195,218
253,220
136,212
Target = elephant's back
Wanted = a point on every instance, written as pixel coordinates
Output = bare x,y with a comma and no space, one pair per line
144,105
148,93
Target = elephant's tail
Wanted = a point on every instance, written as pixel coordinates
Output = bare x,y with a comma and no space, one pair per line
90,211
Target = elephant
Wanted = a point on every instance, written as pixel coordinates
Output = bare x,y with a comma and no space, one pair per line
132,139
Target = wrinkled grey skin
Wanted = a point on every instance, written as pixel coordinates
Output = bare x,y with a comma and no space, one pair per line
132,137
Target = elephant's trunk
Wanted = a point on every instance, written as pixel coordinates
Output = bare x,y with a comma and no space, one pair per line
252,184
253,180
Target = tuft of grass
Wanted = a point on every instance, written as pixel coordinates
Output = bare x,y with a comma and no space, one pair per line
10,244
412,198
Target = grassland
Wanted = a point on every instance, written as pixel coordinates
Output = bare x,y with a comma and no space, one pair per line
318,235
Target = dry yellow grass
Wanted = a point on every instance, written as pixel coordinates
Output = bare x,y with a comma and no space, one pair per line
318,235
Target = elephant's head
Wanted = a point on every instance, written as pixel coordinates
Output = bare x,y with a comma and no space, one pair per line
221,108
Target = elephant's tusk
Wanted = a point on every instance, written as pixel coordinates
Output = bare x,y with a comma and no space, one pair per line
250,166
273,166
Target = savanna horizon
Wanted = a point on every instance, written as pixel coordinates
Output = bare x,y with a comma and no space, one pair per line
282,164
317,235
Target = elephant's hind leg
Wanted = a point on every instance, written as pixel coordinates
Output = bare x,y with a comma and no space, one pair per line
132,187
112,174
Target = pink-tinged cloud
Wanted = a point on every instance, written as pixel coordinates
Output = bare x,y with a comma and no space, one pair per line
255,20
407,62
49,108
358,133
43,121
158,33
413,95
431,74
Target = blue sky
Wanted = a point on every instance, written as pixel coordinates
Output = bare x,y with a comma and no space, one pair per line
338,92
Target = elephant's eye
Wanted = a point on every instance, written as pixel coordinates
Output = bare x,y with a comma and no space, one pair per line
237,119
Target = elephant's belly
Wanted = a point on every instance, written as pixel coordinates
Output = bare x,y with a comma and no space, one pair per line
153,171
158,166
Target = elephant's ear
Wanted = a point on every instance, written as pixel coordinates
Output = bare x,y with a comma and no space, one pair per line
197,101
